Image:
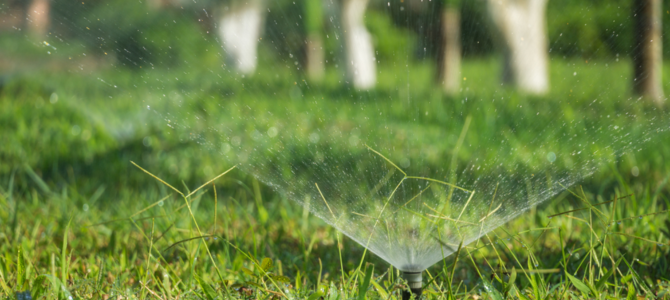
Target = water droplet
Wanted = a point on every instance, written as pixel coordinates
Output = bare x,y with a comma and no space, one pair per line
551,157
160,203
550,217
640,217
85,207
618,222
660,245
536,265
148,107
272,132
635,171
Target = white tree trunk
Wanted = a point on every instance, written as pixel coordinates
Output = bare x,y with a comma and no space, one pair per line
315,58
360,55
38,17
449,60
522,27
239,30
648,49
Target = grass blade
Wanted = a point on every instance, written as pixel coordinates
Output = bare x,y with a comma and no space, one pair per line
580,285
363,288
63,258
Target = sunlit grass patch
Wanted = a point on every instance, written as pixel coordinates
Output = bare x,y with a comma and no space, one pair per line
152,248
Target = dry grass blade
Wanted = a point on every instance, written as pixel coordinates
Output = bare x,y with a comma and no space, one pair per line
150,291
441,216
539,271
491,213
446,245
382,182
150,206
163,233
440,182
188,202
362,215
419,215
127,219
578,219
410,200
388,160
466,205
188,240
324,200
156,177
488,213
212,180
639,238
336,220
579,209
640,216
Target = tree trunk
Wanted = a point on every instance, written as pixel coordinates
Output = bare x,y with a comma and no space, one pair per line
314,57
314,54
449,59
239,30
38,17
522,28
647,49
359,52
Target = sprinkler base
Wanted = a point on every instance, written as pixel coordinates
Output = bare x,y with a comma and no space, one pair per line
414,280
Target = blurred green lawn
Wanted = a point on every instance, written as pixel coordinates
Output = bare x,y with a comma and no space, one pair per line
54,121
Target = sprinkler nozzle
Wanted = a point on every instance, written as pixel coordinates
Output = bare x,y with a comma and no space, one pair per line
414,280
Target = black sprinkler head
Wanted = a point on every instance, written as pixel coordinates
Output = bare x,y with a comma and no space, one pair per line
414,280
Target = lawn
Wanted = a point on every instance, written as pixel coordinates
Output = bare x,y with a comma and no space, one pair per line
78,218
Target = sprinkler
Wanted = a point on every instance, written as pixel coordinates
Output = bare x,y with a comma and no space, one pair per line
414,280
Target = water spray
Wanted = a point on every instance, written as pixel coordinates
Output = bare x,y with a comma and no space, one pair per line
414,280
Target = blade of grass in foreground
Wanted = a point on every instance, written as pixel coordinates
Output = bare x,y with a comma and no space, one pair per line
186,200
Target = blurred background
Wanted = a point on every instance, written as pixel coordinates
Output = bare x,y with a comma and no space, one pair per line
76,77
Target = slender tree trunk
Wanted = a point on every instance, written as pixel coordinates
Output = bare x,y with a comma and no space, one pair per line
38,17
314,54
648,49
522,28
449,59
239,30
359,52
315,58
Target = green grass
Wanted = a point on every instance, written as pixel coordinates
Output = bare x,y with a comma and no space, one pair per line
76,217
60,241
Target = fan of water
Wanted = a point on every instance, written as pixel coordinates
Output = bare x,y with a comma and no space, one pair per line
385,196
371,146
